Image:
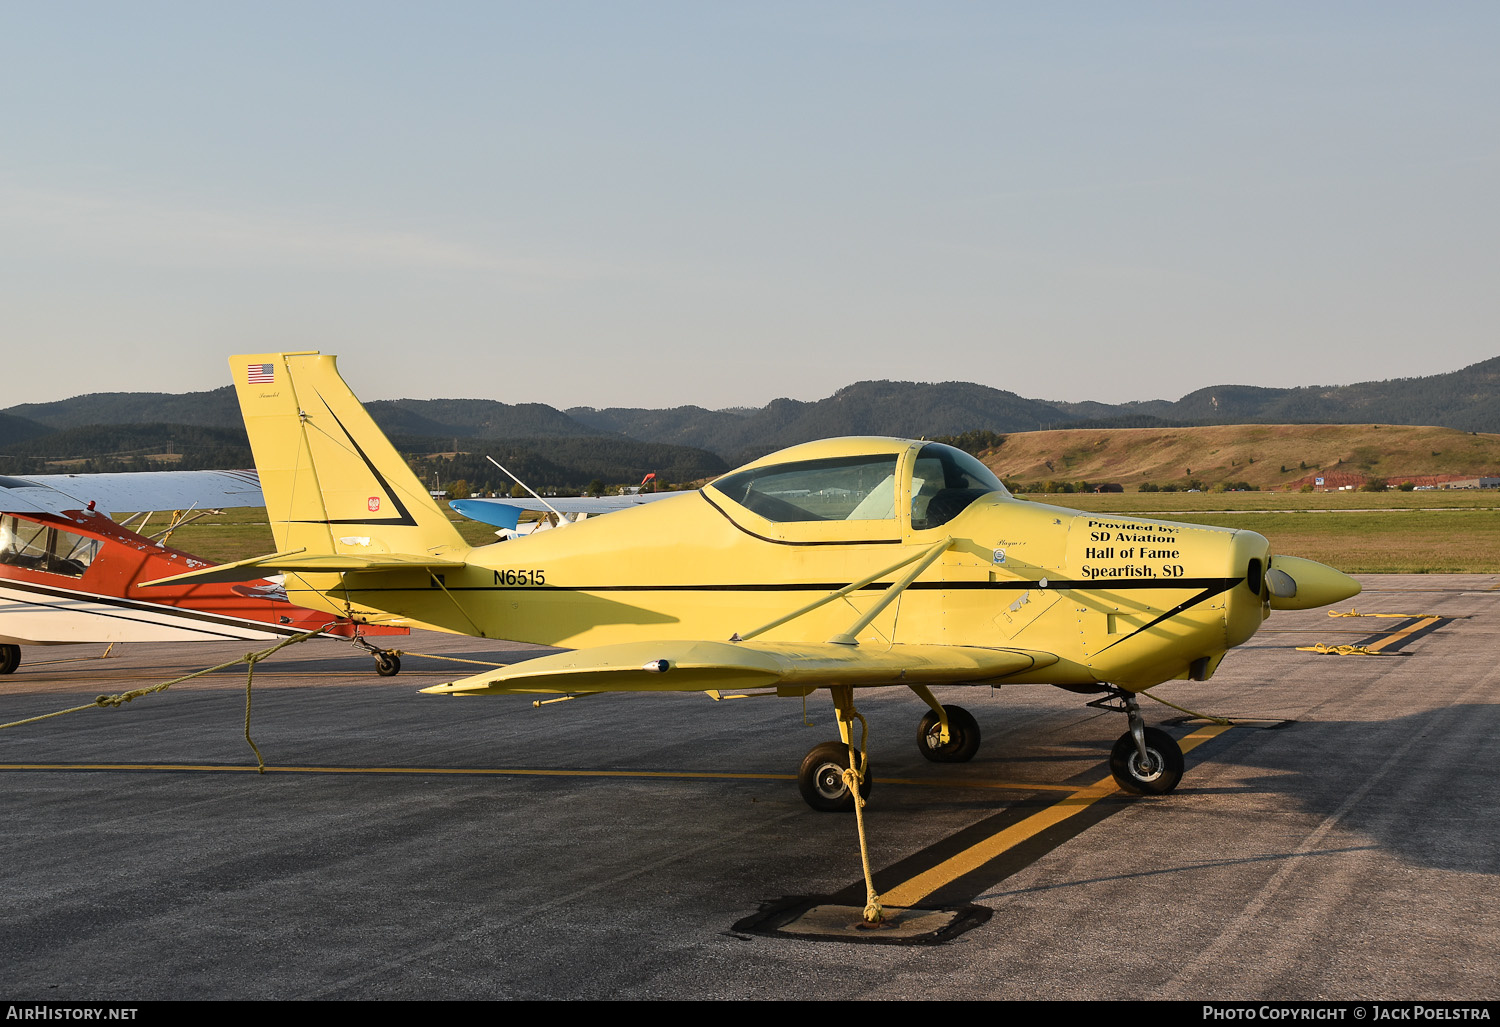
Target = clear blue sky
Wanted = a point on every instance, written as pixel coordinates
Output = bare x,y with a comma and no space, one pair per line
656,204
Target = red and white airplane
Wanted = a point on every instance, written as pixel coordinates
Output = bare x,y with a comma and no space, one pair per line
69,573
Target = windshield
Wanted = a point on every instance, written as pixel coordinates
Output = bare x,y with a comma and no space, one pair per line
860,488
944,482
45,548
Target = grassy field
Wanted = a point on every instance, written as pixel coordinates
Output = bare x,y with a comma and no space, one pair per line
240,534
1265,455
1156,503
1358,532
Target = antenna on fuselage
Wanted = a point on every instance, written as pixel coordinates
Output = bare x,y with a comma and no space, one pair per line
555,512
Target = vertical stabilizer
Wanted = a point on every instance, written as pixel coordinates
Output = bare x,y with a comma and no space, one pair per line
332,481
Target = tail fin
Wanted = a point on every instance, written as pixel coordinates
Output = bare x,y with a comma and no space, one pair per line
332,481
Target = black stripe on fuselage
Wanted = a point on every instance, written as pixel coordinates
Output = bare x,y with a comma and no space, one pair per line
1207,586
1207,593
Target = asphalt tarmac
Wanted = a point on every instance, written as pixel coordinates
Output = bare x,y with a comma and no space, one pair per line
1342,841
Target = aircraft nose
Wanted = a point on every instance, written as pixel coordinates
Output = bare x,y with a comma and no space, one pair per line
1298,584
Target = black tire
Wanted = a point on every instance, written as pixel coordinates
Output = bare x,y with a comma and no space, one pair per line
388,665
1164,771
963,736
821,779
10,658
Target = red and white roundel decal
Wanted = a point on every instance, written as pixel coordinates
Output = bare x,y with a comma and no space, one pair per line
373,503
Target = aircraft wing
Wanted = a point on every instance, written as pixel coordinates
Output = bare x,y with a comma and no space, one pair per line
687,666
505,513
143,490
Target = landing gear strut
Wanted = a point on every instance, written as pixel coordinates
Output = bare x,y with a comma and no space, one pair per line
10,658
828,781
823,778
387,661
1145,760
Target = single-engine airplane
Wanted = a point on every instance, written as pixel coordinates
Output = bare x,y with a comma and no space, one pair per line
70,574
839,564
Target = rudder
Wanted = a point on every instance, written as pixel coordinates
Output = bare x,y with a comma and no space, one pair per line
332,481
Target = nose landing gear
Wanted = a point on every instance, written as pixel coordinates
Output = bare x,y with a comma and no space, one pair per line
1144,760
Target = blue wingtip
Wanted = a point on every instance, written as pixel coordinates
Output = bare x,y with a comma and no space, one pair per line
487,511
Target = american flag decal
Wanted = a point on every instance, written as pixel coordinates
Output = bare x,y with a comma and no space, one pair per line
260,374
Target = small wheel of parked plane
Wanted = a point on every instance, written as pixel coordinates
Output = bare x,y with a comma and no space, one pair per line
388,665
1161,771
963,736
10,658
821,779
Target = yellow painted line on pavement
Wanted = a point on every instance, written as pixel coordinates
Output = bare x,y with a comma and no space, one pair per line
505,771
1015,786
1392,639
912,891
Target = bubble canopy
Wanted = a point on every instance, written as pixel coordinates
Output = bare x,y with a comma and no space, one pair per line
869,487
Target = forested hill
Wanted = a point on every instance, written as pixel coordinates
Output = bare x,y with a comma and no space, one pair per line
1468,399
907,409
466,418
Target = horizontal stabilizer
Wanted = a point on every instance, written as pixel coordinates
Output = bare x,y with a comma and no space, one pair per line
700,666
299,561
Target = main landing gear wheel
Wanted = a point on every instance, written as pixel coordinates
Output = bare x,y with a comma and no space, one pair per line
1158,774
821,779
388,665
10,658
963,736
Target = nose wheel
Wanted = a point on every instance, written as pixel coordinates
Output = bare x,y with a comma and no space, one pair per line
10,658
1157,772
1145,760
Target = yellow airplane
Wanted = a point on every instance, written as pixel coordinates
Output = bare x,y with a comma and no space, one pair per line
840,564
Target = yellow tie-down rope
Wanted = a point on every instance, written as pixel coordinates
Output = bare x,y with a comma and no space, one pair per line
1343,650
1212,718
1397,616
1377,649
854,777
124,697
439,656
